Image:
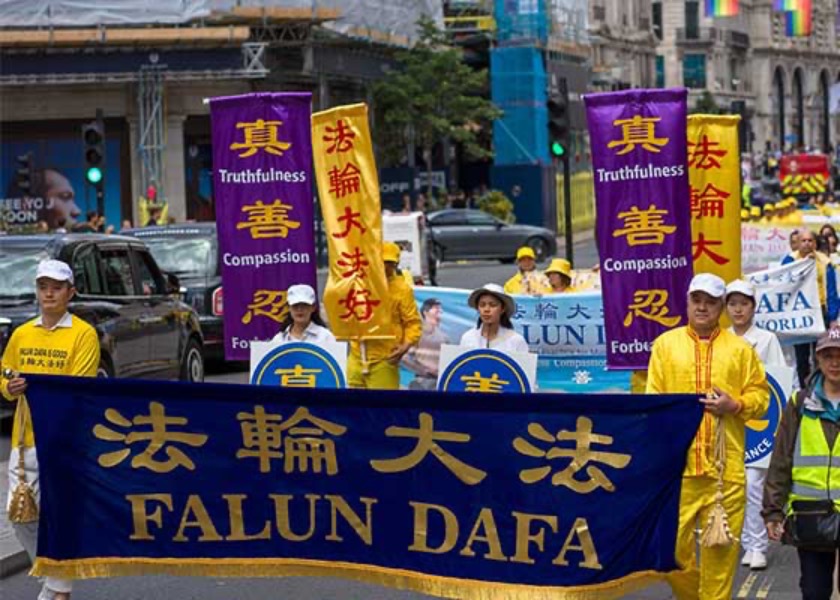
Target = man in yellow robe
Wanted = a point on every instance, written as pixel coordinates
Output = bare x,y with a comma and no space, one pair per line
528,280
378,366
704,359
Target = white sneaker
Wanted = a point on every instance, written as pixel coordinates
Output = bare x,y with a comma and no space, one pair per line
759,561
748,558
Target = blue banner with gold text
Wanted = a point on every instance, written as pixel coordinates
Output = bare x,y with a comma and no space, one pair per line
454,495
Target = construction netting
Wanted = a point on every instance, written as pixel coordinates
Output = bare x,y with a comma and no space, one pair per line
386,20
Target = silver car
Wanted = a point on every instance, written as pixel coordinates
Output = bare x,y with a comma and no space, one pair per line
468,234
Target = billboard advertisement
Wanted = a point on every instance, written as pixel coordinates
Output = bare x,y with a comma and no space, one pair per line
57,194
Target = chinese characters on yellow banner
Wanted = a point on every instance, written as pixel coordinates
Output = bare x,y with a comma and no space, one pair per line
714,174
355,297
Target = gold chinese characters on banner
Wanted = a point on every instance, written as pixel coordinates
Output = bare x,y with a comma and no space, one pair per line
356,294
714,176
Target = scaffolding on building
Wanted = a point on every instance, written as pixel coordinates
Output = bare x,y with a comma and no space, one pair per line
151,127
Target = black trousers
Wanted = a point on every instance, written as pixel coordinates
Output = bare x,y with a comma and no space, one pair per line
817,574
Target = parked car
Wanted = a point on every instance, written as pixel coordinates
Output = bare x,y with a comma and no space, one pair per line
144,329
468,234
191,252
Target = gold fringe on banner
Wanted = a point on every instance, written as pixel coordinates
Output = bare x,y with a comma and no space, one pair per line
444,587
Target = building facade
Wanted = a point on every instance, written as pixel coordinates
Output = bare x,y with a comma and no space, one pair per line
148,74
623,44
748,65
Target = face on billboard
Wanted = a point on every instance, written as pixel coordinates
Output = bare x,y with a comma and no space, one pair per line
60,200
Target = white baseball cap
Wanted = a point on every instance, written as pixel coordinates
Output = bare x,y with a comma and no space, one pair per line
708,283
54,269
739,286
300,294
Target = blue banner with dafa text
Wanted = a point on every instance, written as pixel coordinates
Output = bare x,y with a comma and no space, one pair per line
456,495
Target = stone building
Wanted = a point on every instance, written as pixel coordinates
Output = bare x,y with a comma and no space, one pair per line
748,65
623,44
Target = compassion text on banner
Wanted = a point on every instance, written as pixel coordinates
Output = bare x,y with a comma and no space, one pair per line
525,497
639,156
262,179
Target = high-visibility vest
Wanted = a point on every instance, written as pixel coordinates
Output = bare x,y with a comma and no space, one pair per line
816,468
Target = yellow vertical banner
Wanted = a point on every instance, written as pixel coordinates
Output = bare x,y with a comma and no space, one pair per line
356,294
714,177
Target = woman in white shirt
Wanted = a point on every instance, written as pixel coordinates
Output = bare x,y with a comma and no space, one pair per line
493,329
303,323
740,306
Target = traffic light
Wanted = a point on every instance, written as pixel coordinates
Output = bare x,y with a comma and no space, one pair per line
93,139
93,136
558,123
23,173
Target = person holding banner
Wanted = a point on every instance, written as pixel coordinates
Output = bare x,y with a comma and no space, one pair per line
493,328
740,306
827,287
304,322
528,280
73,348
802,471
701,358
559,274
379,367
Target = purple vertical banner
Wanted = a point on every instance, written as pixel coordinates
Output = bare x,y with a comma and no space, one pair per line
639,156
262,182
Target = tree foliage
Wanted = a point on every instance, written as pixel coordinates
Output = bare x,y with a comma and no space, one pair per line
435,95
706,105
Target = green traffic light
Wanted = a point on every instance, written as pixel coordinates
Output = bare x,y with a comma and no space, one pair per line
94,175
557,149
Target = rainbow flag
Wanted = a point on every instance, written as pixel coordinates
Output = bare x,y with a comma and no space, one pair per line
798,22
721,8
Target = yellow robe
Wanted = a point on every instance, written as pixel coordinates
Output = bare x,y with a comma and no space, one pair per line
683,363
406,327
533,283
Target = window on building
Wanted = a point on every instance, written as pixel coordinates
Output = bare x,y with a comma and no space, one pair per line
692,20
734,74
660,71
657,19
694,71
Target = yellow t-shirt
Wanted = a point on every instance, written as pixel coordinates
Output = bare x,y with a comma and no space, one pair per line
71,348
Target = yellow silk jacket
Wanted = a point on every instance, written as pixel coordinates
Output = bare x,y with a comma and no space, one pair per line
682,363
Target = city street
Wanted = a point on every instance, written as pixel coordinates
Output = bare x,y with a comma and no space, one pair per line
778,582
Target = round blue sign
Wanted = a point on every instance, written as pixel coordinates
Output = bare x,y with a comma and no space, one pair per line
486,371
761,431
299,364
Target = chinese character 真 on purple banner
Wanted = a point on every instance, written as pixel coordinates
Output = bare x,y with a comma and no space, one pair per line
262,181
639,156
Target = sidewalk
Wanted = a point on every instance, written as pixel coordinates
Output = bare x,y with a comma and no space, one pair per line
12,556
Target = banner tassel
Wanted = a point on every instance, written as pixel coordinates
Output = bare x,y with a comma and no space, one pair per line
717,531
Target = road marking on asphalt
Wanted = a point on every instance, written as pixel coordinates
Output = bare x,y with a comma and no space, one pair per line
744,592
764,588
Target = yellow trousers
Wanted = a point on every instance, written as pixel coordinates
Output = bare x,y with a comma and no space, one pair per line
381,375
714,578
